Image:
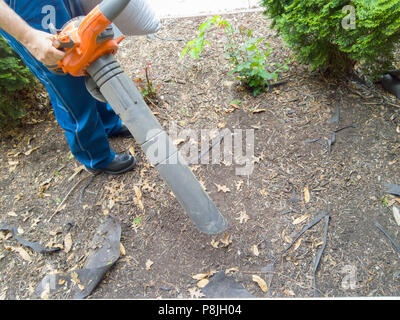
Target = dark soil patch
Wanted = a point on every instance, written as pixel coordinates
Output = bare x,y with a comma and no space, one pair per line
347,182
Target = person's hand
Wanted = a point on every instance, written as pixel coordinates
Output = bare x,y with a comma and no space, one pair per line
40,45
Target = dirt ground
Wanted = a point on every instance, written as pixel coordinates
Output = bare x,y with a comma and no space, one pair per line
295,177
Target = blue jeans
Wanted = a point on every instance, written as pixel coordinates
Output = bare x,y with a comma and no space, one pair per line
87,122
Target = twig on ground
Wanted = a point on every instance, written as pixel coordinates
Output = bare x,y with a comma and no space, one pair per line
317,219
66,197
344,128
86,186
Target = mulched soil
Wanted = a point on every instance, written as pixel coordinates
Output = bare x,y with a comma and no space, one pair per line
163,249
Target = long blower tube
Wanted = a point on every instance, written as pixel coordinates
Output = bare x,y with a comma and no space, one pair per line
127,102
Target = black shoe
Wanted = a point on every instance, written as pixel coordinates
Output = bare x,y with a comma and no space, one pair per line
123,132
122,163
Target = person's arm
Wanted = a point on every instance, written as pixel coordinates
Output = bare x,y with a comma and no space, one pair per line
38,43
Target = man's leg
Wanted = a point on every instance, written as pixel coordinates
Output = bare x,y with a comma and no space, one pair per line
76,112
111,121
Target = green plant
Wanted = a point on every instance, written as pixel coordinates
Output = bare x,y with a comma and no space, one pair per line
384,202
145,85
15,80
319,33
249,60
248,56
137,220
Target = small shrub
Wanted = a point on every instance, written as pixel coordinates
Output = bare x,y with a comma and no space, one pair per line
249,60
145,85
248,56
318,33
15,79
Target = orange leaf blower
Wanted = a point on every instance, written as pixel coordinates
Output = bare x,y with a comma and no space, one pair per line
90,47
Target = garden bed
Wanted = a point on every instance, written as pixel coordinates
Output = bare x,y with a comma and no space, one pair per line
296,176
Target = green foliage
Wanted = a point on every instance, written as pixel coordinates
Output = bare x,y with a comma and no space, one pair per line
145,85
196,46
318,31
248,56
15,78
249,60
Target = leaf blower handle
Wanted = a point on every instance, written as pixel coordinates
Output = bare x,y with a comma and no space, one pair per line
80,38
112,8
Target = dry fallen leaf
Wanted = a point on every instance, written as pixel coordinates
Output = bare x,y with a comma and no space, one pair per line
132,151
258,111
139,196
289,293
195,293
226,240
43,187
177,142
300,219
214,243
224,189
27,153
221,125
262,284
5,235
202,283
67,242
243,217
319,244
149,263
239,185
254,250
203,184
21,251
122,250
77,281
201,276
297,244
306,195
396,214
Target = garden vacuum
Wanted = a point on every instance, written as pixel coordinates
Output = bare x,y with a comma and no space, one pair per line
89,44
